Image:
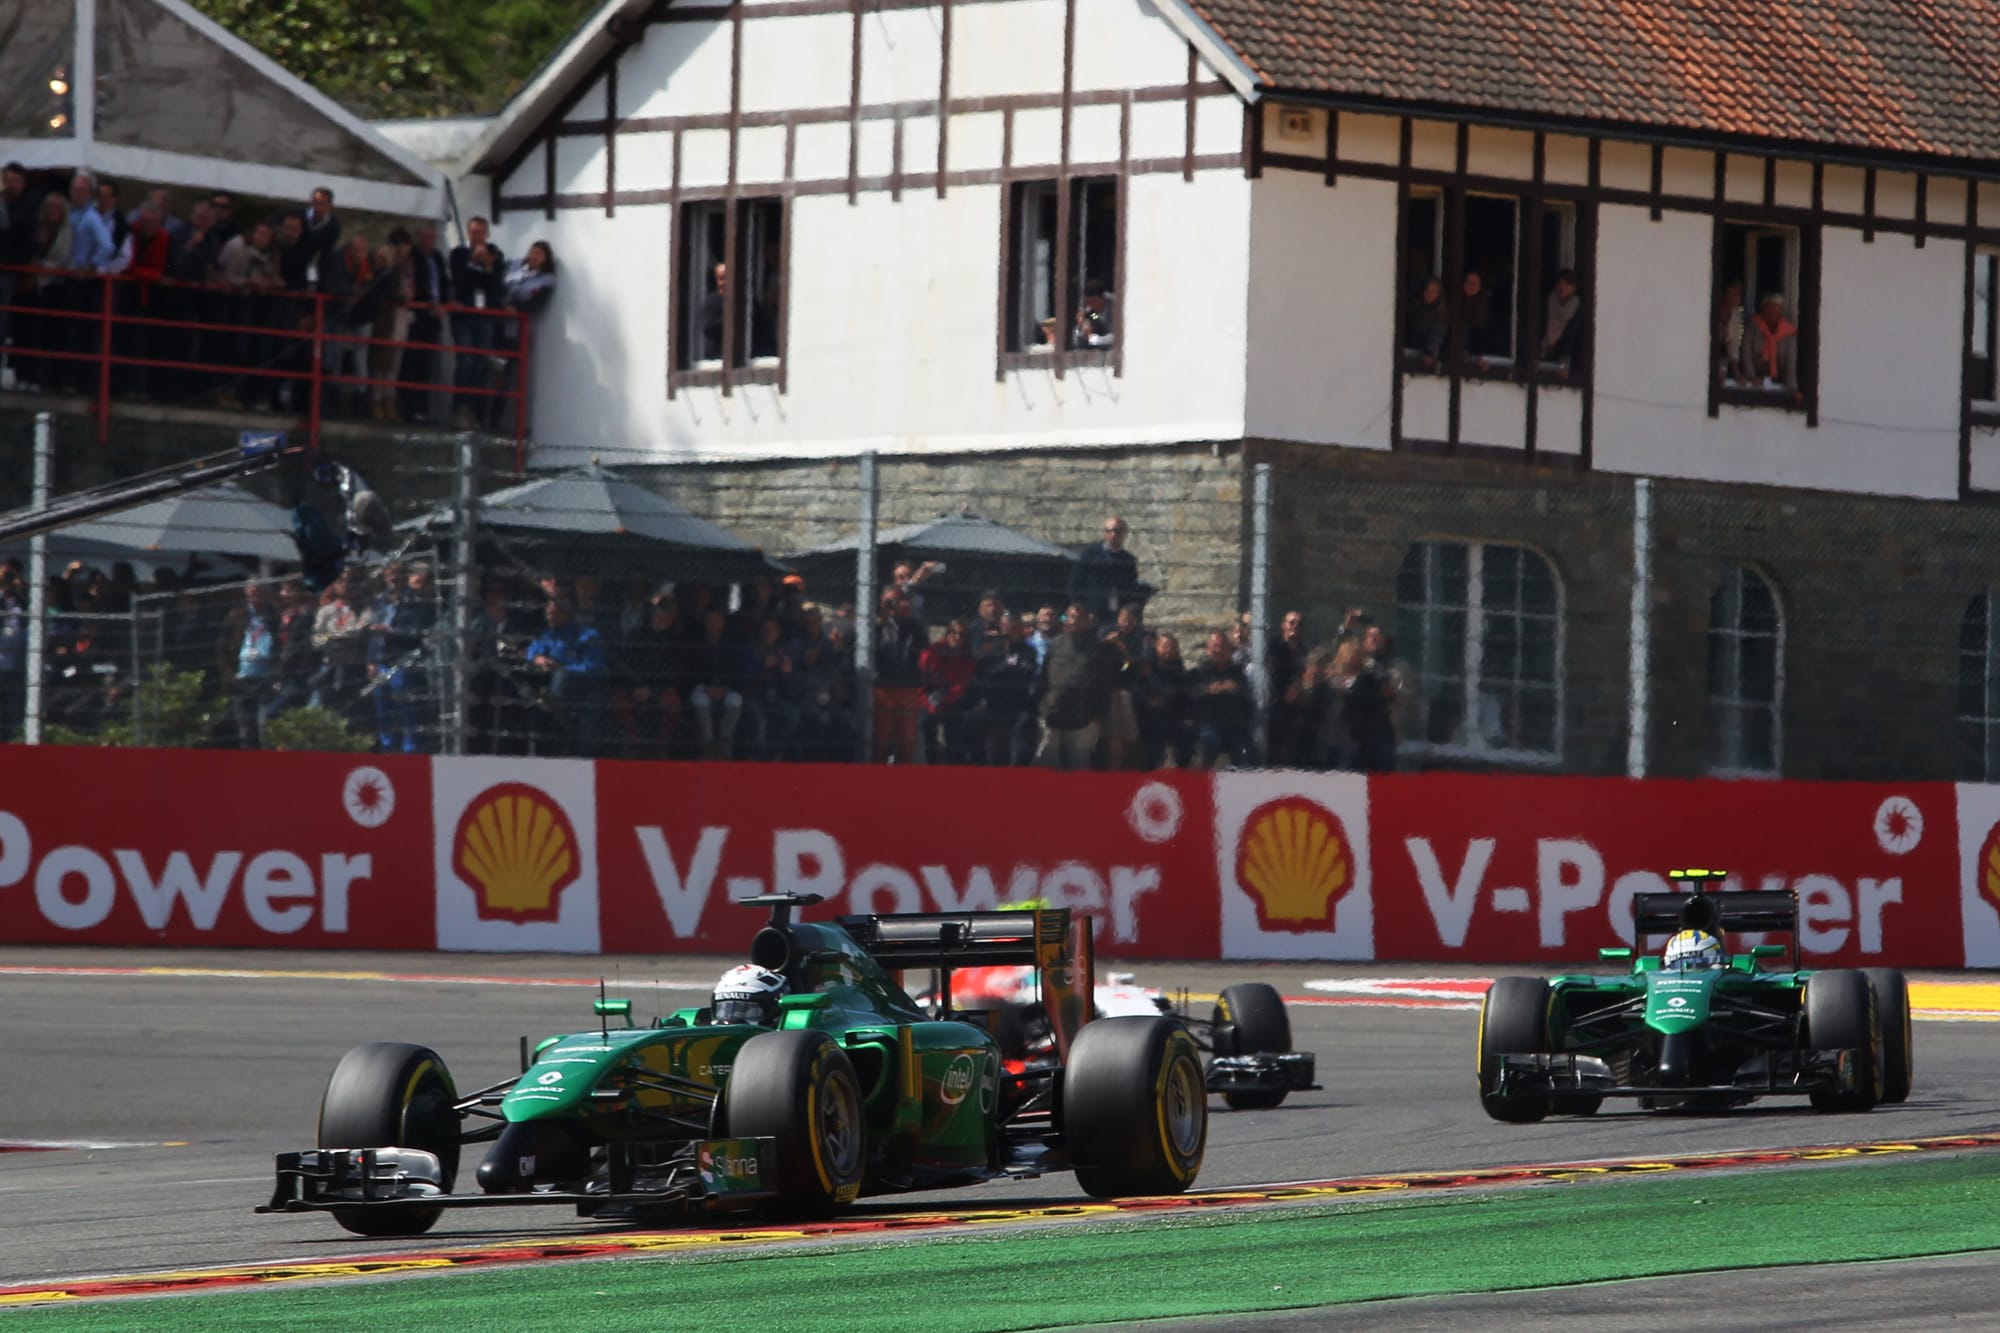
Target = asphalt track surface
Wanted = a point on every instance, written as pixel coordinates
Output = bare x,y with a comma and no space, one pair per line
224,1071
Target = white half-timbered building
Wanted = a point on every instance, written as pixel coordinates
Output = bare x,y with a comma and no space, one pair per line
1460,273
1241,201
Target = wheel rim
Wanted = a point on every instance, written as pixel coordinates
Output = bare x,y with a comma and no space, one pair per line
1181,1108
840,1135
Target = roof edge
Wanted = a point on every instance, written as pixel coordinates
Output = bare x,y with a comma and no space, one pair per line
559,75
1672,136
1222,56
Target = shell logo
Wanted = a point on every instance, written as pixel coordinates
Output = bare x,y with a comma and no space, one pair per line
1989,865
518,851
1293,860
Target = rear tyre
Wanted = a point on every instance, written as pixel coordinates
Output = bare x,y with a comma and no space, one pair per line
1841,1016
1134,1107
389,1094
1513,1020
800,1089
1892,1018
1250,1019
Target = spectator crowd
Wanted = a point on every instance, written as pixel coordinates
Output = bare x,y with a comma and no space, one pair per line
245,302
633,668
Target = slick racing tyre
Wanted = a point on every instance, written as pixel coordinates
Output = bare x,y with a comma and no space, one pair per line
1892,1018
388,1094
1841,1016
1513,1020
799,1089
1134,1107
1250,1019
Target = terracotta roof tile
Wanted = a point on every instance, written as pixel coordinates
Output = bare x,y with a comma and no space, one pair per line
1895,76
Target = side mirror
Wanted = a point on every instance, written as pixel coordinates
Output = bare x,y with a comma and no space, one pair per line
1767,951
1619,955
612,1009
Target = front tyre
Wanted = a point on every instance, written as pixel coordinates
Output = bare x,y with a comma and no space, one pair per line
800,1089
1250,1019
1841,1016
1513,1020
1892,1018
1135,1107
389,1094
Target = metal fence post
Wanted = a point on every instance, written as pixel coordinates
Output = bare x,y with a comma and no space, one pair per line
38,583
1638,705
1260,597
864,613
462,593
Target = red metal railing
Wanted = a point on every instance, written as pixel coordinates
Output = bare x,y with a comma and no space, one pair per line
88,333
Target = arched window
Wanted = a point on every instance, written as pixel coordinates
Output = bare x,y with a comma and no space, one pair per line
1978,691
1746,673
1481,626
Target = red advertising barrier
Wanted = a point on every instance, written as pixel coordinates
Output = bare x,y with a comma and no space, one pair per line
204,848
1132,851
180,848
1496,869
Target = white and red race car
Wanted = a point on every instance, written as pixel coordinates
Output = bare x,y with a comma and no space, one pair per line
1247,1036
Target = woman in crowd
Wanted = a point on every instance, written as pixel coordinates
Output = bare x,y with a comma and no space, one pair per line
947,668
530,283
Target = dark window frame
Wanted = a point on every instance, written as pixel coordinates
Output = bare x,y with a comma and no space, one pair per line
1801,288
745,221
1531,275
1982,372
1071,271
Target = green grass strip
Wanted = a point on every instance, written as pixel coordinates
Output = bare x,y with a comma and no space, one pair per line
1197,1264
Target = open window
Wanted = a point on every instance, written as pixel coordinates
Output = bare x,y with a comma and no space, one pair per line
1983,385
730,294
1555,320
1479,272
1062,298
1759,351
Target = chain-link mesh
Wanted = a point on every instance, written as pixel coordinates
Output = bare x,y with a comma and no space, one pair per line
1416,613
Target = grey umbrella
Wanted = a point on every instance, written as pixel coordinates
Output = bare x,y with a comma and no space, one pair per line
964,533
592,512
224,519
979,554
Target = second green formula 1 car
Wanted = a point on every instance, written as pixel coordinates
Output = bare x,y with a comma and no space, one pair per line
1698,1028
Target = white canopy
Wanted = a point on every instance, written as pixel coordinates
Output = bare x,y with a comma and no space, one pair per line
154,91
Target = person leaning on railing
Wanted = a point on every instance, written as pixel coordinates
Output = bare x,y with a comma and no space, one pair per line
530,285
245,270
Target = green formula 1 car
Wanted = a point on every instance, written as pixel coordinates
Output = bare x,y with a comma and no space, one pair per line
847,1087
1697,1029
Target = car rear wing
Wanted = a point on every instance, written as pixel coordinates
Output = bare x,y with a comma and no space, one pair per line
1058,946
957,939
1717,913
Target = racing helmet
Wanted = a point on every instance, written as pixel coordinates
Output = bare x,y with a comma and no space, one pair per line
1692,951
748,994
